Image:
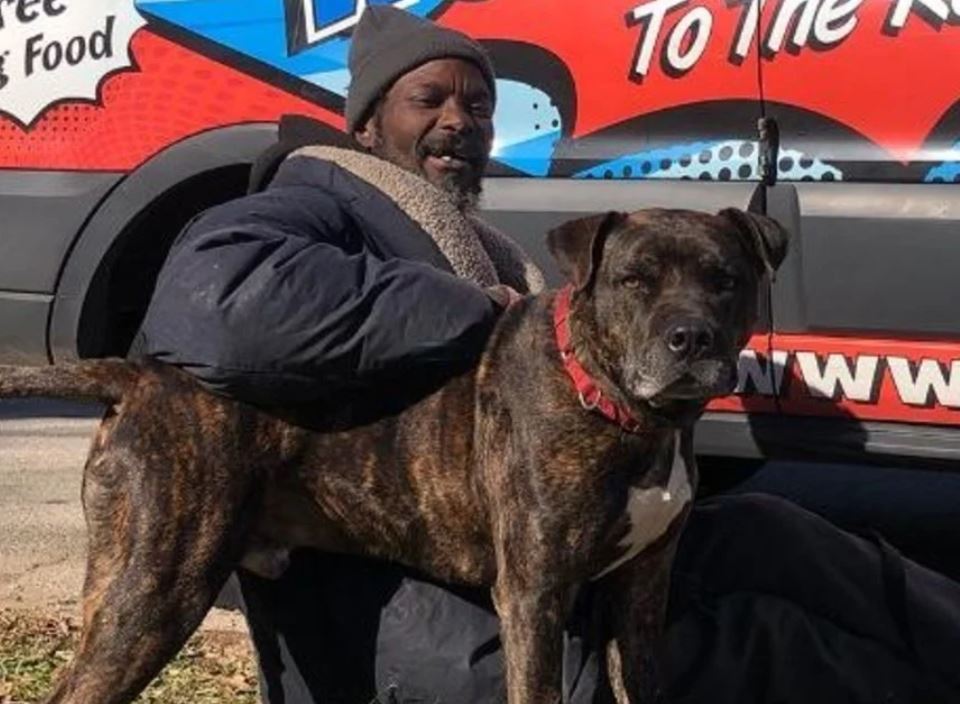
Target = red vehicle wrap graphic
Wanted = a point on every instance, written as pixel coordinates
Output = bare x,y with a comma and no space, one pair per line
864,379
626,60
824,46
173,93
660,54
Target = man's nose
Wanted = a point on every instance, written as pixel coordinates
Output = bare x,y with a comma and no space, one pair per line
454,117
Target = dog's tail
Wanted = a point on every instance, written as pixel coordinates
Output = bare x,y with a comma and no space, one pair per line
105,380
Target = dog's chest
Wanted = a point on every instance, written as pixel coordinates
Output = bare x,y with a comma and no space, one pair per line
651,511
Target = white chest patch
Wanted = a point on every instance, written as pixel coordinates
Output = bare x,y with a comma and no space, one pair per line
651,511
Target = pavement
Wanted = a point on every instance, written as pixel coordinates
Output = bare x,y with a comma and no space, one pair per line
43,446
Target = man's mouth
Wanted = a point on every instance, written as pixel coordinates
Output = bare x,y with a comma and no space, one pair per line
450,156
449,162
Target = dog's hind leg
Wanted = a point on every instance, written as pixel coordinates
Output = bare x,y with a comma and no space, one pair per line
163,533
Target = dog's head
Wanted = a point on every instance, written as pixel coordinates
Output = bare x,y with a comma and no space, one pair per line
668,297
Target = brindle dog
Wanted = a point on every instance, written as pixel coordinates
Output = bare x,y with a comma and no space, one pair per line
503,477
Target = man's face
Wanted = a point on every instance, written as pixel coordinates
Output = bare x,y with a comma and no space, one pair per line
436,121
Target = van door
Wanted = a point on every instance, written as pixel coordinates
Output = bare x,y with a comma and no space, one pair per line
865,94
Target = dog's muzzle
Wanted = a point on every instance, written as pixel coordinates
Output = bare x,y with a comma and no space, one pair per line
663,376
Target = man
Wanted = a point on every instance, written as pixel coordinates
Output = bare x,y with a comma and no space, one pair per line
358,281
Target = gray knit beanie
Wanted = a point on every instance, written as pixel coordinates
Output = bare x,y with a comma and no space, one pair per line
389,42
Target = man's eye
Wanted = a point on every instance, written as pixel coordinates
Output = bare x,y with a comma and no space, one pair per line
426,101
482,110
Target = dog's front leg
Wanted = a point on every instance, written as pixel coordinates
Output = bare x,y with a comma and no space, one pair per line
532,617
533,603
635,602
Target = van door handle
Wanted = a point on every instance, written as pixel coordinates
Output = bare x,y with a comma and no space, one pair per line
769,149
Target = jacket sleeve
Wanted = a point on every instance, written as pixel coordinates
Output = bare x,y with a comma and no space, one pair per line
269,300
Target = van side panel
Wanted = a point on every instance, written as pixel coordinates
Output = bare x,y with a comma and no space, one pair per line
42,211
897,242
23,327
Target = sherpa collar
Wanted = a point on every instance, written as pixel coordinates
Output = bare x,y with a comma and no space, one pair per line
475,250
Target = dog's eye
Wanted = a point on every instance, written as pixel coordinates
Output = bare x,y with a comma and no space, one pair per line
631,281
725,281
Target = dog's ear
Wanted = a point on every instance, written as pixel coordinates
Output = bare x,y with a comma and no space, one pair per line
578,244
765,237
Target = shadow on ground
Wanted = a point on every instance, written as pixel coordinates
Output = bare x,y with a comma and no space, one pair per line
47,408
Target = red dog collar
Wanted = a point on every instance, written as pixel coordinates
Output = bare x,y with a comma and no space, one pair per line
591,397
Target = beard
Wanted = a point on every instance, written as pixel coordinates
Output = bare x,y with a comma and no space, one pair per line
463,188
466,196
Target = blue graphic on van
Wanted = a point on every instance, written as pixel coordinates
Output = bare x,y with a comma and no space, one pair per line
527,124
717,160
331,17
948,171
794,165
259,29
727,160
312,22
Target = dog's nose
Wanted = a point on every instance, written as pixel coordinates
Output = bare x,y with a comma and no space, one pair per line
689,339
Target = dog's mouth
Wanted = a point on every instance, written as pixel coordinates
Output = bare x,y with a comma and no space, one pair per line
699,382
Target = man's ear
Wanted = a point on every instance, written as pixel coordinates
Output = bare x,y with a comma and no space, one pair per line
366,133
764,237
578,245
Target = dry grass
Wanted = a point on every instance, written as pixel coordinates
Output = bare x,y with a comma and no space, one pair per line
212,667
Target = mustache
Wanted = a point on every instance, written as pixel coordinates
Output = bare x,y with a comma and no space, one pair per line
467,148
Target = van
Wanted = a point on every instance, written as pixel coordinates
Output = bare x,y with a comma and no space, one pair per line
841,118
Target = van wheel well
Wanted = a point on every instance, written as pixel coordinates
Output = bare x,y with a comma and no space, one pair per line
117,299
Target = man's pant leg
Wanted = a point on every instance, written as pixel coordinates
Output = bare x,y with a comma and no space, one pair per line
342,630
771,603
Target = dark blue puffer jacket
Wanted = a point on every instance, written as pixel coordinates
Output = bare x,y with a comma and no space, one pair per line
317,284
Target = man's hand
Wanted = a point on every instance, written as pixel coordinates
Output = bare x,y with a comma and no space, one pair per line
503,295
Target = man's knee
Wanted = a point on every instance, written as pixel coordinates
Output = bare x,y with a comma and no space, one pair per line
755,520
760,542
